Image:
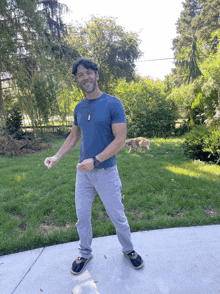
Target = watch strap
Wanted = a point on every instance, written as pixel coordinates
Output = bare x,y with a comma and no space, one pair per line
96,161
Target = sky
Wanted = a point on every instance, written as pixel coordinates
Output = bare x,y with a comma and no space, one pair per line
154,20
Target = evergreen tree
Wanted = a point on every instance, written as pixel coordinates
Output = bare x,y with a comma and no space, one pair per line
185,45
195,27
207,22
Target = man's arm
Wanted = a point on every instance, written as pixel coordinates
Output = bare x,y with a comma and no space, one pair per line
67,146
119,130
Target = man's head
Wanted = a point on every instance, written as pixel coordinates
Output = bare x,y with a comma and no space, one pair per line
86,72
85,62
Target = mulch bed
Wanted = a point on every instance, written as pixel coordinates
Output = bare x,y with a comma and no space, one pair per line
13,148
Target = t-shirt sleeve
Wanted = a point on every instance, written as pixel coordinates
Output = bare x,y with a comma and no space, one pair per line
117,112
75,118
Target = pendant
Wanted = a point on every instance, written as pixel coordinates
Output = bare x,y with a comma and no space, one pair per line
89,117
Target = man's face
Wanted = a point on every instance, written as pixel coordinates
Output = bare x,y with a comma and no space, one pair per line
87,79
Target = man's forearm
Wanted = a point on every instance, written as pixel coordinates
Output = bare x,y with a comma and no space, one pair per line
113,148
67,146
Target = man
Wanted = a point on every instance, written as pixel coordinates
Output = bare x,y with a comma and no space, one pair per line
99,119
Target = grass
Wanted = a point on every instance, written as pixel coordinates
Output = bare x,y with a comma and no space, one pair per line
161,189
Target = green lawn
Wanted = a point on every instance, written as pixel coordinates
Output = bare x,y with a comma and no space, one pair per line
161,189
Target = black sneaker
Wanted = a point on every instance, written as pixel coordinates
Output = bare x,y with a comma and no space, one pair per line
135,259
78,268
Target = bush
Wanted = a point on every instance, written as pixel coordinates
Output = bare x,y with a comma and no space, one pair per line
182,129
62,130
203,143
13,122
196,113
148,112
212,144
203,108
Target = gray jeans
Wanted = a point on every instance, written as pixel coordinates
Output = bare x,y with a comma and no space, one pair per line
106,182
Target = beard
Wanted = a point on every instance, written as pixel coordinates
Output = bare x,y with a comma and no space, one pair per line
89,89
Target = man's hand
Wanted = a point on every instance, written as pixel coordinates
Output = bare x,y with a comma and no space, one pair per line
50,161
86,166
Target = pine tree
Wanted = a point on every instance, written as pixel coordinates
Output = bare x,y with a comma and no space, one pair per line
197,22
208,22
185,45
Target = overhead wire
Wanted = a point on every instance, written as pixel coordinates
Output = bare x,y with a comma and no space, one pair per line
153,59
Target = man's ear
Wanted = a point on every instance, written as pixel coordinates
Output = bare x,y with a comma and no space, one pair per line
97,76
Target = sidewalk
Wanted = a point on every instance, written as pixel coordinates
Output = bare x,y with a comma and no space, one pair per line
177,261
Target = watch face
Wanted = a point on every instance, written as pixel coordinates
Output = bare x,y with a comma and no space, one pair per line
97,163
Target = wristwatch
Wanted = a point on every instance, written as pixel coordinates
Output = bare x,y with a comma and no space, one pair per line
96,161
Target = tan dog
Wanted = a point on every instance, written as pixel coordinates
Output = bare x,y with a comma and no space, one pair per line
140,142
132,143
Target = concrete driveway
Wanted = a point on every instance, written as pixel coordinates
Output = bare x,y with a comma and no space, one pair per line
177,261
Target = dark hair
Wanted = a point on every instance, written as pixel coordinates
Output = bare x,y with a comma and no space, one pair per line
86,62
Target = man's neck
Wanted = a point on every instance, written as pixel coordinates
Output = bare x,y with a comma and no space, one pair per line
94,95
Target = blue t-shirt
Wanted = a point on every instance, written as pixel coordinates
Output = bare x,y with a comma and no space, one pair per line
96,133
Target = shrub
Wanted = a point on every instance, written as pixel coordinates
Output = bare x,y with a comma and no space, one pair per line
203,143
148,112
182,129
196,113
214,121
203,108
13,121
212,144
62,130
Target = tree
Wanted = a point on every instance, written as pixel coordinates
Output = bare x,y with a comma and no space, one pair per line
33,50
114,49
196,50
197,22
185,28
211,83
207,22
67,100
199,101
185,45
189,64
13,35
183,96
25,21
